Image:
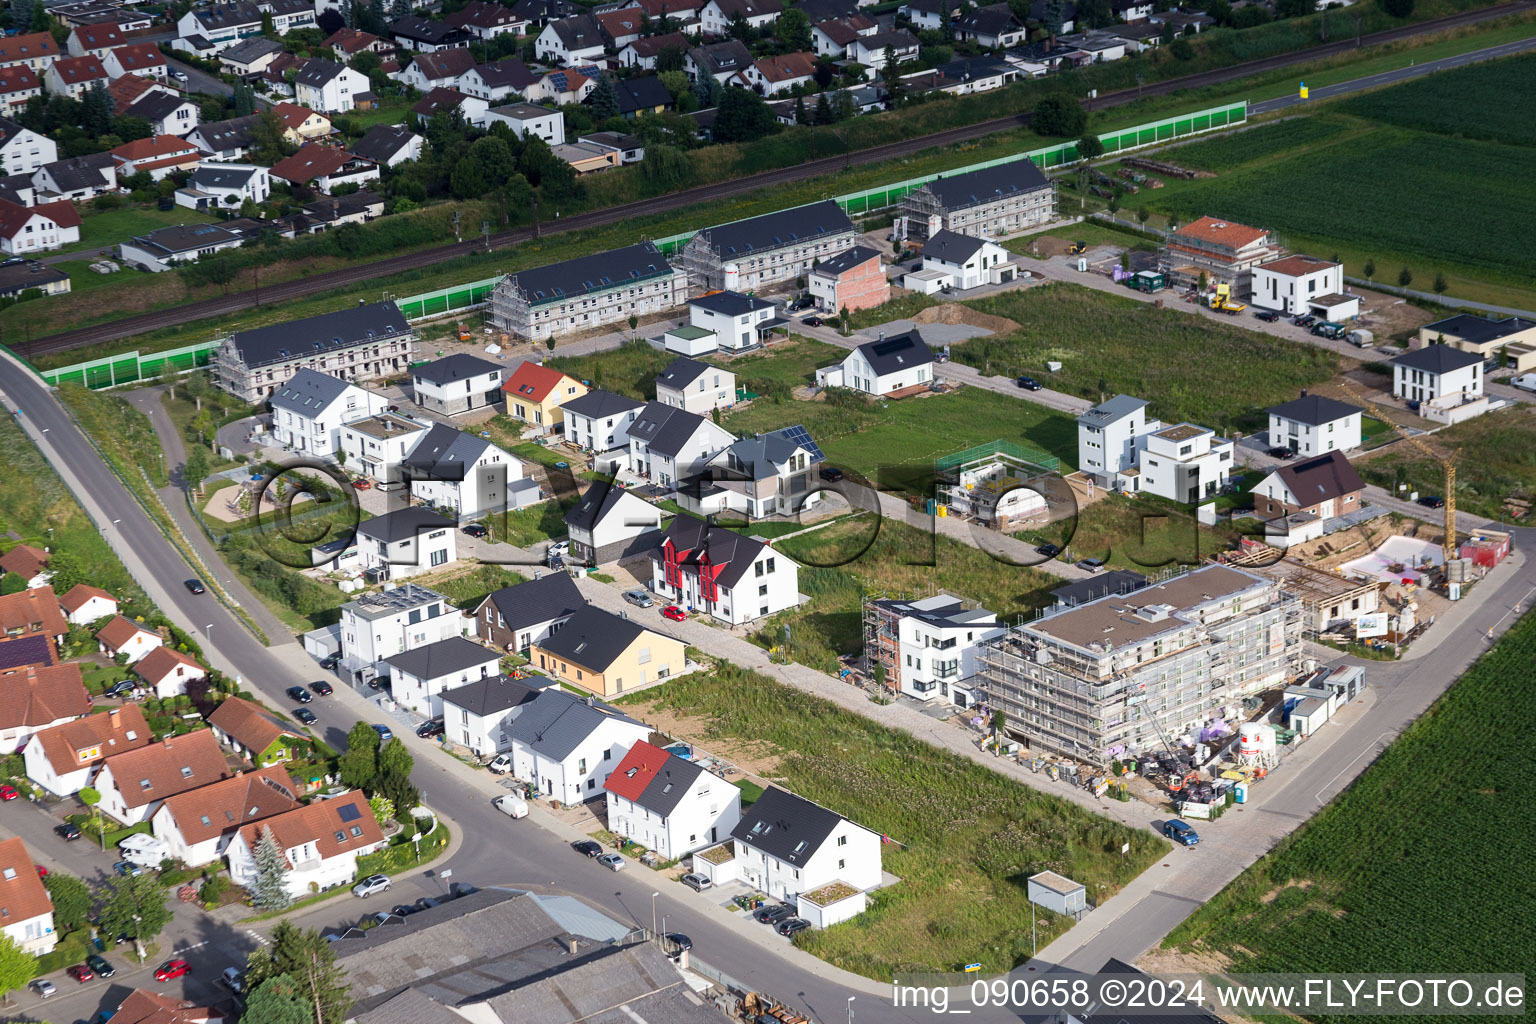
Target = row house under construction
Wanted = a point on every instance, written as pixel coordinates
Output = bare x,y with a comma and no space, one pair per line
362,343
1220,251
603,288
746,255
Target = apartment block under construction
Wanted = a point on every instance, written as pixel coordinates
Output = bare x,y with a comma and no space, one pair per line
1118,676
1001,485
1219,251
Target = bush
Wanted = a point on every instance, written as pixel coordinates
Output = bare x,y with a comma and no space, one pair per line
1059,116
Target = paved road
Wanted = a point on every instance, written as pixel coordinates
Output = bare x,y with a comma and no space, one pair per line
347,276
199,80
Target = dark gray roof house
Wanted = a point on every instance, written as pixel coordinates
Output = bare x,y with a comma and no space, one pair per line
992,20
734,551
1114,581
383,142
415,29
444,454
506,74
730,303
535,601
317,71
491,695
776,230
154,106
1437,359
665,429
250,49
892,355
846,260
82,172
212,175
579,31
1314,410
759,457
721,58
951,247
219,136
445,657
959,191
263,346
402,524
787,827
555,723
593,638
459,366
1476,329
639,262
642,94
309,392
681,372
598,404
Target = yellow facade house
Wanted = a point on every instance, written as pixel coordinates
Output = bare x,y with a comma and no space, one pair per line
607,655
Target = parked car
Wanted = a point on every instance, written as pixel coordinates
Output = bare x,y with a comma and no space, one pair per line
1281,453
812,321
638,598
674,613
80,973
361,484
502,765
380,917
1525,382
330,661
696,882
371,885
384,734
428,902
300,694
233,979
322,687
8,793
1091,564
1029,384
1432,501
429,729
476,530
43,987
305,715
792,927
98,963
611,861
511,805
831,474
803,302
1269,316
180,76
1304,320
196,586
121,688
1048,550
67,830
677,943
773,914
127,869
587,847
42,872
172,969
1180,832
402,910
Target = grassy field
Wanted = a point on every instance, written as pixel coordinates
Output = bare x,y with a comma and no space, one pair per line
1212,374
896,443
786,364
630,369
968,836
848,561
1498,461
1137,534
1445,801
108,227
121,431
525,526
1478,101
1237,149
467,587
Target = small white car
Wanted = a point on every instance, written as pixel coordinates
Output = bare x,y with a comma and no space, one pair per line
501,766
371,885
1525,382
611,861
512,806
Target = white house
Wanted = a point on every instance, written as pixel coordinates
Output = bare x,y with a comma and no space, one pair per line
167,671
33,229
609,524
668,446
598,422
63,759
308,411
378,445
406,542
1425,374
529,119
1184,463
717,15
125,638
695,387
39,697
253,732
166,114
450,469
380,625
731,576
23,151
457,384
737,321
418,677
499,81
936,643
790,848
132,784
884,49
1303,284
389,145
1108,436
515,618
198,825
328,87
85,604
667,804
768,474
993,27
321,842
28,920
929,14
215,186
77,178
1312,425
573,40
962,262
478,715
568,745
883,366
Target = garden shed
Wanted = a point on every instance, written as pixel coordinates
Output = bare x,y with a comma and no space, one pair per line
1053,892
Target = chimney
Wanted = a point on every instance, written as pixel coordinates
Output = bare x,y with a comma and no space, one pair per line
882,336
113,712
570,945
1303,392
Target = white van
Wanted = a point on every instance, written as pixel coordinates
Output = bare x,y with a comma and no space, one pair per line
512,806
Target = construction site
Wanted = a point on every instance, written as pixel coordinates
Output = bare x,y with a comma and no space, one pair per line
1001,485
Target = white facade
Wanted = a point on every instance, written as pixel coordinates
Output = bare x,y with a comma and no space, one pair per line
424,694
96,607
1185,463
718,23
1285,285
1307,439
1107,437
671,468
423,551
714,389
210,189
194,855
400,619
317,428
377,445
770,585
733,331
704,816
527,119
551,48
989,264
487,486
850,854
860,375
601,434
138,645
1415,385
938,655
35,230
579,775
25,151
336,95
309,867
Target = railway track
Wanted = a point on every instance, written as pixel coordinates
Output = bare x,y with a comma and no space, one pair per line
347,276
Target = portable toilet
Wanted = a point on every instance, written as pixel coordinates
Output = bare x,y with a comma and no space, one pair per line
1240,792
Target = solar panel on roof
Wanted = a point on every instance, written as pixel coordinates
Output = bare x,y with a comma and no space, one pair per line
348,812
797,434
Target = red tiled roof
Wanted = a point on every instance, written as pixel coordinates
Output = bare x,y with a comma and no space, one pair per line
320,823
231,804
787,66
445,63
22,895
118,632
75,70
249,724
1297,266
127,89
139,55
660,8
41,696
292,115
28,47
32,611
14,218
145,1007
312,161
532,381
177,764
81,593
440,98
621,23
636,771
24,560
94,738
351,40
1220,232
157,147
100,35
18,78
162,661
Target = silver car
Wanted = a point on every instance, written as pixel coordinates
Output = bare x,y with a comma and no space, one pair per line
638,598
611,861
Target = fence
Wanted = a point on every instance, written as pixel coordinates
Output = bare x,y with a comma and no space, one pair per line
128,367
447,300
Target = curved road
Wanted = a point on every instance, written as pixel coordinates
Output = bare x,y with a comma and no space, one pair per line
315,283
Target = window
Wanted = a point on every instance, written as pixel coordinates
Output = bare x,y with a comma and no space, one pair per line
842,840
341,837
145,784
608,755
643,656
439,557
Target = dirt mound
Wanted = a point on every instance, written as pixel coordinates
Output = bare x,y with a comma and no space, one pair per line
954,313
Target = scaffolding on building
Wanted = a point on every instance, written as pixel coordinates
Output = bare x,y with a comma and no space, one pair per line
998,484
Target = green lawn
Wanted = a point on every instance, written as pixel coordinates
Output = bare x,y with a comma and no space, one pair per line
1092,232
965,837
83,280
787,364
526,526
1213,374
1373,431
391,110
1140,534
630,369
468,589
100,230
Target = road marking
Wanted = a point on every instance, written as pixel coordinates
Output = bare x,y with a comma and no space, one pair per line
1318,796
260,939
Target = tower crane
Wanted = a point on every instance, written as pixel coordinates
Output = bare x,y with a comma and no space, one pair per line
1448,544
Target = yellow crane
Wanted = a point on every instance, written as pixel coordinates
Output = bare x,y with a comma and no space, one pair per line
1448,544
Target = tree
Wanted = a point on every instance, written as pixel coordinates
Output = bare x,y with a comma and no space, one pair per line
1182,49
135,906
801,117
666,168
1398,8
743,117
1053,16
1143,215
1404,278
1440,286
359,763
1089,147
17,966
823,113
495,157
92,798
199,386
96,109
67,571
999,723
1094,14
1370,270
383,808
676,82
22,13
793,29
605,98
394,778
671,58
72,901
12,583
895,88
270,891
305,957
634,321
1059,116
469,180
279,1000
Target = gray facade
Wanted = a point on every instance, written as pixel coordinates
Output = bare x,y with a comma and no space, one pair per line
994,202
363,343
590,291
749,254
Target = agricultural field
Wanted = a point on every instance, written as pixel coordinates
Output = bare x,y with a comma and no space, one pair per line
966,837
1444,802
1216,375
1277,138
1490,101
1498,461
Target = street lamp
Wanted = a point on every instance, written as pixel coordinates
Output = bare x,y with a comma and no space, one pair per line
850,1008
653,911
138,941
